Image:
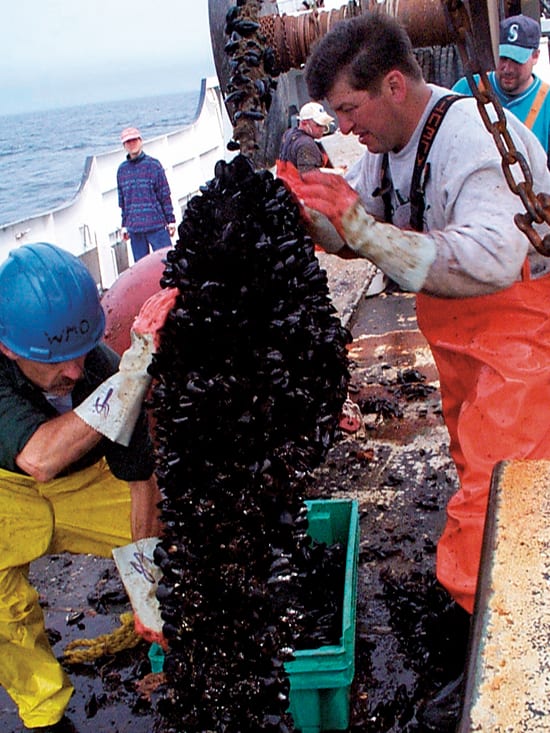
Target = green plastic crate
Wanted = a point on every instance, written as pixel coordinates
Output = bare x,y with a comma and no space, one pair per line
320,679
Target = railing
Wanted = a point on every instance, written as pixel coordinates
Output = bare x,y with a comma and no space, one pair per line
89,225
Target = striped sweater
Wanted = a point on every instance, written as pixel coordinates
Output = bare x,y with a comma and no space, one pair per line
144,194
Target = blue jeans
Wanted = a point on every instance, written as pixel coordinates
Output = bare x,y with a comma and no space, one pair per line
140,242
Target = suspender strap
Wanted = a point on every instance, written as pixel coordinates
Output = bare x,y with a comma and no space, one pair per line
421,170
535,107
481,85
537,104
384,190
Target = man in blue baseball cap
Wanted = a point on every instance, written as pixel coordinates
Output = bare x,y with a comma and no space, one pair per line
516,85
519,38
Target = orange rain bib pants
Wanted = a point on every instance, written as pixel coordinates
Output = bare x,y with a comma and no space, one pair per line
86,512
493,357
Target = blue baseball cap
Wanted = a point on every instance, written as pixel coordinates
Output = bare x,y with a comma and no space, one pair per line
519,37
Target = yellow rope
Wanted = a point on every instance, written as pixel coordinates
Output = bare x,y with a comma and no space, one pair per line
80,651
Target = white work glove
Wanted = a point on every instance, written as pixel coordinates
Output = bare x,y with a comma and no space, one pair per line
405,256
140,576
113,408
323,232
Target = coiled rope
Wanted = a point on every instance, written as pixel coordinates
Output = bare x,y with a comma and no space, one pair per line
80,651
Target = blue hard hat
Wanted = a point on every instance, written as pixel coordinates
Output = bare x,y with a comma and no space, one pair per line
49,304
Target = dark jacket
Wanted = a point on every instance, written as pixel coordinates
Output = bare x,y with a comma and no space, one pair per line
303,151
23,408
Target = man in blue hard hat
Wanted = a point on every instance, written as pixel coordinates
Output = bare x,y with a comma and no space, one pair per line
76,459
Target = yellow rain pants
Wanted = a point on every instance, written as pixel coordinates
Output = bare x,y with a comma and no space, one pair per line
493,357
87,512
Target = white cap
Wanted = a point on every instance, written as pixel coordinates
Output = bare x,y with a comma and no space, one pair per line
316,112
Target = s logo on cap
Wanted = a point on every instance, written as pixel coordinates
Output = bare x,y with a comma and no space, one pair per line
513,33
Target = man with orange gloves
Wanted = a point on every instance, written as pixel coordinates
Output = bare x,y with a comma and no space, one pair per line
428,203
76,459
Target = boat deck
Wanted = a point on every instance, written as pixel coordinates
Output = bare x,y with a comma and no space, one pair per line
410,639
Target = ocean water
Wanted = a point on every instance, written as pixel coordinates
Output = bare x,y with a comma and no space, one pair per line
42,154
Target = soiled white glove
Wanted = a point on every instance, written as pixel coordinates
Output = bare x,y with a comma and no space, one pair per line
323,232
113,408
140,576
405,256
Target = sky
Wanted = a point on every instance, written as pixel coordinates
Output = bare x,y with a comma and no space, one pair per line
58,53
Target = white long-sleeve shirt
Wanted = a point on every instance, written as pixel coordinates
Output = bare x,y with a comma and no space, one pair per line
469,206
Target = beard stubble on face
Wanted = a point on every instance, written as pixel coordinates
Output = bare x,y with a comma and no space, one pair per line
62,386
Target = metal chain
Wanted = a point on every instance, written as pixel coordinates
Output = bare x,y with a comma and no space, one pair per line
537,206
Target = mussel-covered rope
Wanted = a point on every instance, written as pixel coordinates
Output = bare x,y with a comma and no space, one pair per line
251,375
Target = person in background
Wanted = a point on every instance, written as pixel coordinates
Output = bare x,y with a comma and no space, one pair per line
144,198
301,145
516,85
428,203
76,458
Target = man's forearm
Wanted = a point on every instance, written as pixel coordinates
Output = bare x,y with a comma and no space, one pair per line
405,256
145,517
56,444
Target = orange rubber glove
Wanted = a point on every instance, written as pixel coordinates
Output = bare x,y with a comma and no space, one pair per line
153,312
318,225
326,193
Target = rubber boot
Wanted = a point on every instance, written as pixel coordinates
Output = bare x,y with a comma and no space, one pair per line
441,712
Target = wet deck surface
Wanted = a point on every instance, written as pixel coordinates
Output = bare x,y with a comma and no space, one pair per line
410,638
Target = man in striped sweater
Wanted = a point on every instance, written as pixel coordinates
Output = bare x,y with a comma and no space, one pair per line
144,198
